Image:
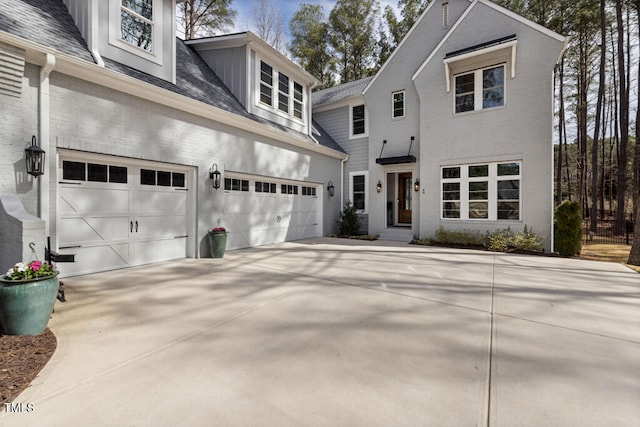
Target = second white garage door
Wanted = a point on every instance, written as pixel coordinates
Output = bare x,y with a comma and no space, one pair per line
258,211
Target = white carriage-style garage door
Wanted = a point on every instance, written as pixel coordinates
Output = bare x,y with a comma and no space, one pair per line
113,214
258,211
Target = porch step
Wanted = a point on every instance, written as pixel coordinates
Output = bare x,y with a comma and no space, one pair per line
397,234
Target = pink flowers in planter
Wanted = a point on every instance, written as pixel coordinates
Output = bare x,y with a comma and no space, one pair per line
30,270
219,230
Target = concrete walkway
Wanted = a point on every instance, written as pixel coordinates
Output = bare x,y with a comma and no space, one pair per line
330,332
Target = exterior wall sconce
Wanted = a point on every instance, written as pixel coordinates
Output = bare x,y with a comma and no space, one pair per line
34,157
416,185
379,186
214,175
331,189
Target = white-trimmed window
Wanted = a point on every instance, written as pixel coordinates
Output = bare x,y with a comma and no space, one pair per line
479,89
357,121
266,83
136,23
280,93
397,104
358,186
489,191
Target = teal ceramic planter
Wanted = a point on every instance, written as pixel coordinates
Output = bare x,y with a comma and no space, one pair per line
26,305
217,244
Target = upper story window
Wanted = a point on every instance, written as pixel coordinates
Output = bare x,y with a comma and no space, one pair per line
479,89
281,93
397,107
358,123
266,83
136,23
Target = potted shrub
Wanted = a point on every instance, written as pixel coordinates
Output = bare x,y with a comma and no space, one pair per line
217,242
27,294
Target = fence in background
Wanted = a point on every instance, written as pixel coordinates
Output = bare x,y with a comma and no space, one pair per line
606,232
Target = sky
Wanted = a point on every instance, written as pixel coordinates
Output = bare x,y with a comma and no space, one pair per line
287,9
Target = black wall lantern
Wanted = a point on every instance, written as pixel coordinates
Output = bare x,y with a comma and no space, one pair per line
214,175
34,157
331,189
416,185
379,186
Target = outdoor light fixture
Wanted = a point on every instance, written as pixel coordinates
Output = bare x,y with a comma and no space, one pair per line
214,175
416,185
34,157
331,189
379,186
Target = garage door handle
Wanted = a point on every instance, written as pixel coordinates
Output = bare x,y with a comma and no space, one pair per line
131,226
136,226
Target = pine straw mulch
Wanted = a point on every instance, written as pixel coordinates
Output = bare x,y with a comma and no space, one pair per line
21,359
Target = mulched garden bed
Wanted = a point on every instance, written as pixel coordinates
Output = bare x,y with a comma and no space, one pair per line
21,359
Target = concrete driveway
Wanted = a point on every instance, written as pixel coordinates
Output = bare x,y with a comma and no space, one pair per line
330,332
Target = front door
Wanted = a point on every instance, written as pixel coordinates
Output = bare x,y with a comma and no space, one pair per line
404,198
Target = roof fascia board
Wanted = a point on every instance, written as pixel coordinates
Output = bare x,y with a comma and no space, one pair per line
88,71
402,42
444,40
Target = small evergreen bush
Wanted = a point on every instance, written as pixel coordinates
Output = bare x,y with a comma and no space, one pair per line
568,229
349,221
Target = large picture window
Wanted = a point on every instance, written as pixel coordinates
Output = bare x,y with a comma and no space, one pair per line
479,89
136,23
488,191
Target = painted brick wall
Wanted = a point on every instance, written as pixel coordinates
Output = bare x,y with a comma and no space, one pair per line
19,118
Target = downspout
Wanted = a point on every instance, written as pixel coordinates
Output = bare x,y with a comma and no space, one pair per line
342,162
44,109
94,34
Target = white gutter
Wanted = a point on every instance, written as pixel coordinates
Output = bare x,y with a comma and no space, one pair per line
45,143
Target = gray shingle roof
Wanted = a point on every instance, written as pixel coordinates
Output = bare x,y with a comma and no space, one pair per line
48,23
44,22
337,93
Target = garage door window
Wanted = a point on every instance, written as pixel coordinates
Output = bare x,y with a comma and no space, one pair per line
265,187
233,184
162,178
289,189
93,172
308,191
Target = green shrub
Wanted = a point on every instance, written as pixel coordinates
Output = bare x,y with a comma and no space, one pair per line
507,240
349,221
568,229
459,237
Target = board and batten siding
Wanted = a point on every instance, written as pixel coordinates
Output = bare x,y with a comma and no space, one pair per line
230,65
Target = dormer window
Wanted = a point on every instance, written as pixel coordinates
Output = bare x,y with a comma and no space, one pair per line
136,23
280,93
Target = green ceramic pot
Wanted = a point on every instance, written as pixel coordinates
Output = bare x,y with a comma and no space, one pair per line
217,244
26,305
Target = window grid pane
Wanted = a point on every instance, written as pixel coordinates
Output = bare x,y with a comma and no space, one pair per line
358,120
493,87
398,104
465,87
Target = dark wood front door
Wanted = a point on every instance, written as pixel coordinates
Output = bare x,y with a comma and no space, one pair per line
404,198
